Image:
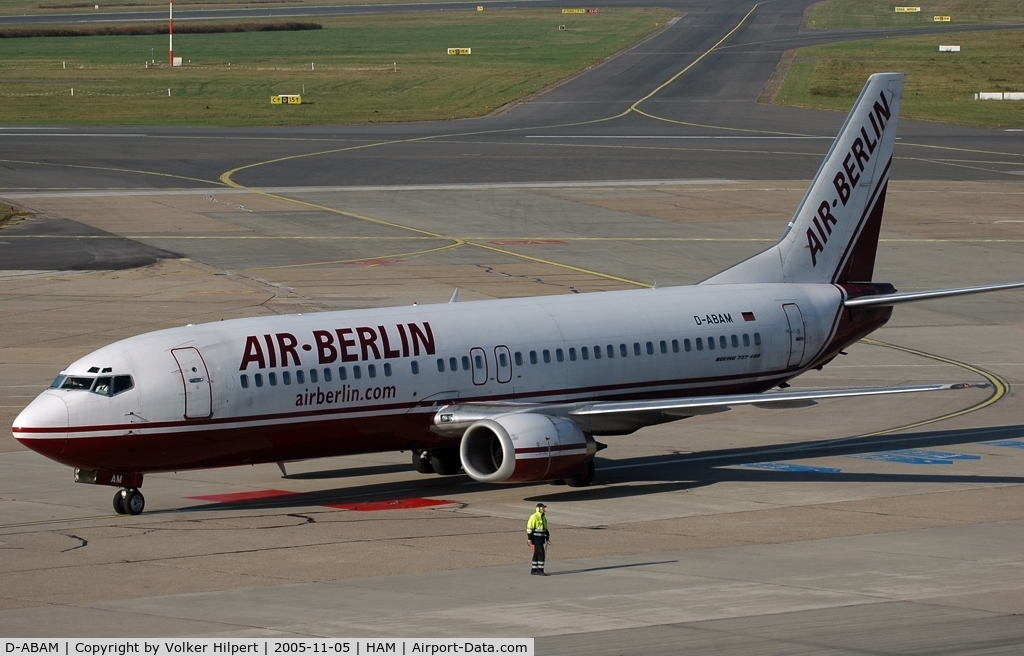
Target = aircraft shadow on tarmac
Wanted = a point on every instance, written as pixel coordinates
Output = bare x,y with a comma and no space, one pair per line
659,474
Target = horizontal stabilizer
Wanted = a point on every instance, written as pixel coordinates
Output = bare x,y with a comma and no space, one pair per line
907,297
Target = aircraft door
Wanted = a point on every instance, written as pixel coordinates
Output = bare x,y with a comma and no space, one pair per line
503,363
478,363
196,379
796,333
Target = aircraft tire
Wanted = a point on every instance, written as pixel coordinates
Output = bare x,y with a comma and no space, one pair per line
119,504
584,475
133,502
421,462
445,461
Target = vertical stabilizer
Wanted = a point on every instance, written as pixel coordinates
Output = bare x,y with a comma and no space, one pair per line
834,234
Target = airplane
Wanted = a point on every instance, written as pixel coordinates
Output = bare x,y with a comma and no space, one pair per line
509,390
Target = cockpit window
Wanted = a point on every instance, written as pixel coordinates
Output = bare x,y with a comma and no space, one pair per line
123,384
77,383
102,386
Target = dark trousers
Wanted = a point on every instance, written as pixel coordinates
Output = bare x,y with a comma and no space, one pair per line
538,552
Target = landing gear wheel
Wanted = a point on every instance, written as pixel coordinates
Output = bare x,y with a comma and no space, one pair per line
133,501
584,476
421,462
119,504
445,461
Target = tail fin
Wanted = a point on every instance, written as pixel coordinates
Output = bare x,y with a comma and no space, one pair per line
834,234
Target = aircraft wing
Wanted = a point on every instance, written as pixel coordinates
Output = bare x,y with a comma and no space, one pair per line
907,297
687,406
626,416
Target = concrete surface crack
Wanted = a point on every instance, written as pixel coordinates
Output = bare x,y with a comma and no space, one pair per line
83,541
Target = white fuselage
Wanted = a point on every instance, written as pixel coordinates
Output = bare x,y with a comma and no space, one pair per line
284,387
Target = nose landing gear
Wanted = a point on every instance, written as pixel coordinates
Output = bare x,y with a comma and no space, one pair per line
129,501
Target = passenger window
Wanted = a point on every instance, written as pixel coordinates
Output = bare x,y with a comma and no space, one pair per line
357,373
746,339
650,348
272,378
371,370
342,373
502,360
711,343
327,375
611,351
686,344
735,341
547,356
415,367
300,377
597,352
723,342
585,352
700,344
757,339
312,375
258,379
533,357
465,363
440,365
559,355
675,345
478,360
664,346
244,381
519,359
636,348
622,350
102,386
123,384
572,354
387,368
286,377
453,364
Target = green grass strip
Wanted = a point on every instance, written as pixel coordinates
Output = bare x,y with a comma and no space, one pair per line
940,85
345,72
838,14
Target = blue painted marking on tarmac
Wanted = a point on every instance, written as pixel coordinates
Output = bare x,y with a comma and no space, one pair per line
1012,444
790,467
918,457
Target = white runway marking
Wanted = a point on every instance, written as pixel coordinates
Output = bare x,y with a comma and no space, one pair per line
666,136
316,190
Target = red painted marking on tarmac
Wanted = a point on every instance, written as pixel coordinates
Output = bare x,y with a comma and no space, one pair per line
234,497
374,262
390,504
527,242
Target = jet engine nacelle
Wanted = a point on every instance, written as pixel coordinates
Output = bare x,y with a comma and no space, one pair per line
521,447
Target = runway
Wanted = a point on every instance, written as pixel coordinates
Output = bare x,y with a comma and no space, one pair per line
886,526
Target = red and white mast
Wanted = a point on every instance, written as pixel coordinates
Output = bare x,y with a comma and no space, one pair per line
170,34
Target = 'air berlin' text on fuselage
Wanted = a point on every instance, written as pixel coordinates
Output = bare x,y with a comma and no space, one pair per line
339,345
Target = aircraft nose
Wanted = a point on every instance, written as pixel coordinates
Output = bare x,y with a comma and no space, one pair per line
46,413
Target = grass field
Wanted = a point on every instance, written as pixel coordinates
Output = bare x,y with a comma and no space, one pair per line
940,85
10,215
882,13
20,7
346,71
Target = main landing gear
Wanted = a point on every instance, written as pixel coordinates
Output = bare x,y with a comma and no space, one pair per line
443,460
129,501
